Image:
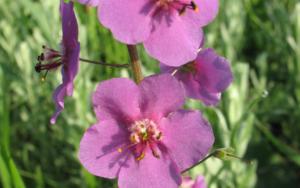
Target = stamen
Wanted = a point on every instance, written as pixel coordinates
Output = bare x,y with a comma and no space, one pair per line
155,154
182,11
44,77
158,137
49,66
192,6
120,150
140,157
37,67
145,134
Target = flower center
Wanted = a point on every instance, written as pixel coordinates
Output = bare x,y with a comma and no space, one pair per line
179,5
144,134
189,68
53,59
144,131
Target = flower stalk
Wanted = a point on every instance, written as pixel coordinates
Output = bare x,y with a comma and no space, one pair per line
135,63
104,64
207,157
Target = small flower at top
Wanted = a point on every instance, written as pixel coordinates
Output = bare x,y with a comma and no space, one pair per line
67,57
143,138
170,29
205,78
188,182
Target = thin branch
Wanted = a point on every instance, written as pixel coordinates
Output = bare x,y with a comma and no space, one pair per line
135,63
102,63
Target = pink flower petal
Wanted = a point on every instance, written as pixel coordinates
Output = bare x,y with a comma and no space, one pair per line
58,97
208,79
129,21
161,94
214,73
207,11
93,3
187,136
149,172
175,40
208,98
188,182
98,149
117,99
195,90
70,70
69,25
200,182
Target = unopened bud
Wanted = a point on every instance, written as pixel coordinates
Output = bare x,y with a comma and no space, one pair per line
225,154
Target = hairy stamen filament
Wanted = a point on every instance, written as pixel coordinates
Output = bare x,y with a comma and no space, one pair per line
141,156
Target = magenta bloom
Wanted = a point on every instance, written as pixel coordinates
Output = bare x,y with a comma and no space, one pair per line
170,29
143,137
68,57
204,78
188,182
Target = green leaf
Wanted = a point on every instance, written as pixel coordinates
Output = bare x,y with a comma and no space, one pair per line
285,149
4,174
15,175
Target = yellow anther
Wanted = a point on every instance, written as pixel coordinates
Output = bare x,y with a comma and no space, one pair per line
196,9
43,79
194,6
141,156
120,150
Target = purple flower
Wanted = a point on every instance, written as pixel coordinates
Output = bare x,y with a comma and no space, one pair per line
170,29
67,57
143,137
204,78
188,182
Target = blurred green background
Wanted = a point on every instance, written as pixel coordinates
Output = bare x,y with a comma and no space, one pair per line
259,114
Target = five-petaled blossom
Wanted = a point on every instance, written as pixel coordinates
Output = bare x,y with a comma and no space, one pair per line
188,182
205,78
67,57
169,29
143,137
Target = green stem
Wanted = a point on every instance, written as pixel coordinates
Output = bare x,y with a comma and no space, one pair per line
207,157
102,63
135,63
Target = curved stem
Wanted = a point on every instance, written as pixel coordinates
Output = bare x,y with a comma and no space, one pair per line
135,63
207,157
102,63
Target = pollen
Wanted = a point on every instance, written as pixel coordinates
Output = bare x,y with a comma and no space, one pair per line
144,135
194,6
120,150
140,157
143,131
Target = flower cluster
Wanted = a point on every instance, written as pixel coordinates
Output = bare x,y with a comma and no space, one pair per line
143,136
